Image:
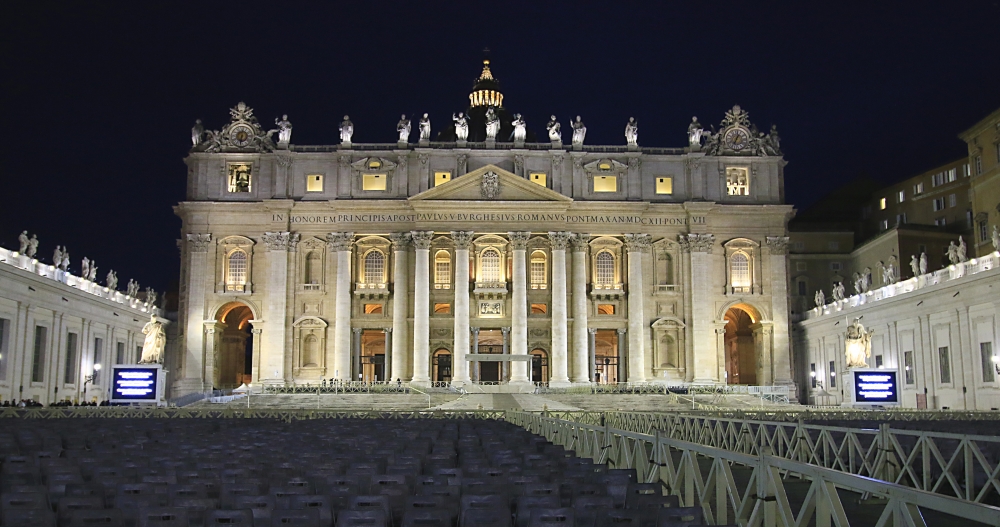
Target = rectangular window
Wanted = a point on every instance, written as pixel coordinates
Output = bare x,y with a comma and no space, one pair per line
900,218
833,374
922,248
878,361
918,188
988,360
965,170
940,222
952,175
373,309
835,266
605,183
138,354
979,165
938,204
952,200
664,185
442,309
537,273
539,309
120,353
38,358
373,182
69,372
833,246
802,287
983,231
884,225
441,177
4,337
605,309
314,183
901,196
812,374
881,204
538,177
239,177
98,350
944,365
801,266
908,367
738,181
866,212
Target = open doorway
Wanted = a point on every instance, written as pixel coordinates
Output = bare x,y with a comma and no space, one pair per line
234,352
741,354
606,356
373,355
490,343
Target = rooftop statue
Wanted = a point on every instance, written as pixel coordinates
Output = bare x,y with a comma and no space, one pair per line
284,130
923,263
996,238
151,296
520,133
953,253
196,132
346,130
820,298
57,256
579,131
914,265
425,128
554,129
632,132
92,275
694,132
838,292
85,268
403,127
132,289
111,280
962,250
64,263
858,345
461,126
32,246
153,344
23,240
492,124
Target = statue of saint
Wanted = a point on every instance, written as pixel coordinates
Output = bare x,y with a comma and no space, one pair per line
962,250
22,239
694,132
32,246
85,268
150,296
914,265
111,280
403,127
64,264
156,339
425,128
520,133
858,287
858,345
346,130
492,124
996,238
555,129
838,292
461,126
923,263
953,253
579,131
196,132
775,138
820,298
632,132
284,130
891,271
57,256
866,279
132,288
92,275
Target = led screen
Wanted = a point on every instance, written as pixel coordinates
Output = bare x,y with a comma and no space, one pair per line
134,384
875,387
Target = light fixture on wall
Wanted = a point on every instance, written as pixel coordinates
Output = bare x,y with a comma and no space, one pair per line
89,379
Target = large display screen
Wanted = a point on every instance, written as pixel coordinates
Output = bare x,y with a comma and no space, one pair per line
876,387
135,384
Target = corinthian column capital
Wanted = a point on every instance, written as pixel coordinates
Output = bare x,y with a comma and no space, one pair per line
422,239
462,239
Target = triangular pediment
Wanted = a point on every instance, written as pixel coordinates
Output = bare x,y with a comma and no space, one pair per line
490,183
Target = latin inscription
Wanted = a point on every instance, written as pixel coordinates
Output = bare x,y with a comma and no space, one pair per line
488,217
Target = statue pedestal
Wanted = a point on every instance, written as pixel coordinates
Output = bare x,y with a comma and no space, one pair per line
577,147
424,142
402,144
461,143
491,142
345,145
518,144
556,143
633,148
282,146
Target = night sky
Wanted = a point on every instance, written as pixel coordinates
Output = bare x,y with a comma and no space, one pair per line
99,97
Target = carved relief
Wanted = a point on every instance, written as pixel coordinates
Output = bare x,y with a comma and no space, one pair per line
519,240
422,239
340,241
777,244
199,242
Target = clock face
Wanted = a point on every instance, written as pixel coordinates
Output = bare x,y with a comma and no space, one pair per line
737,139
240,135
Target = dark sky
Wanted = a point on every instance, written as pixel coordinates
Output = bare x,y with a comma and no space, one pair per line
99,97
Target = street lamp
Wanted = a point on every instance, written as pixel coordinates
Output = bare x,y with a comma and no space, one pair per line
89,379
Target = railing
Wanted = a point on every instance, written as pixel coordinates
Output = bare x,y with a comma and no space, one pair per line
338,387
732,486
231,412
482,145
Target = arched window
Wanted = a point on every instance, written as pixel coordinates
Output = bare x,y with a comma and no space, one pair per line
374,267
538,262
442,270
490,261
314,267
236,271
739,272
605,267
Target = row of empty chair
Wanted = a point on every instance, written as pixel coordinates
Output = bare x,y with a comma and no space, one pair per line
337,472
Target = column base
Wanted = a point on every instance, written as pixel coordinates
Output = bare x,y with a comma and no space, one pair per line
420,383
182,387
561,384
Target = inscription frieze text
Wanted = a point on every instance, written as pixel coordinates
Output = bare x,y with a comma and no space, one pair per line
496,217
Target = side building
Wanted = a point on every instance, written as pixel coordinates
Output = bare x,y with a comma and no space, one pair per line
483,262
983,140
57,330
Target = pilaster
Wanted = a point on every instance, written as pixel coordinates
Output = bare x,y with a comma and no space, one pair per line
192,377
275,307
706,362
637,245
340,244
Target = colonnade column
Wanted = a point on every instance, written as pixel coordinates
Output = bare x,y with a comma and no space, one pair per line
519,307
340,243
356,355
637,244
706,362
592,353
421,307
623,355
275,310
505,350
475,349
581,349
193,379
559,359
387,357
460,366
400,307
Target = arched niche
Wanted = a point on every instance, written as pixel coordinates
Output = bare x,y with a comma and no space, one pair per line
309,348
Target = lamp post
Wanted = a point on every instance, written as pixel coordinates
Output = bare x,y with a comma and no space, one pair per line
89,379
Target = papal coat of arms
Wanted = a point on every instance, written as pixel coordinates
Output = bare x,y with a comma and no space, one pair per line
490,187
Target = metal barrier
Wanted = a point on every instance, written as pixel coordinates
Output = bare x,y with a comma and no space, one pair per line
229,412
703,476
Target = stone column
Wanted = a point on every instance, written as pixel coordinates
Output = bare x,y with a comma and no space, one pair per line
637,245
255,361
581,354
559,359
387,358
421,308
340,243
275,308
505,350
475,349
779,344
592,352
400,307
519,306
356,355
623,355
460,366
198,276
720,352
706,362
